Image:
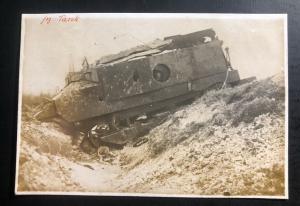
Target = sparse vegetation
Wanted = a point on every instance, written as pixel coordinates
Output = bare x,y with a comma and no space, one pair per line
31,104
32,100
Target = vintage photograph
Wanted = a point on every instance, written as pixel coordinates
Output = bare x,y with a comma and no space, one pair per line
172,105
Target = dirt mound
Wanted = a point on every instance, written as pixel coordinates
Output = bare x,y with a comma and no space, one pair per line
51,161
44,172
47,138
228,142
220,108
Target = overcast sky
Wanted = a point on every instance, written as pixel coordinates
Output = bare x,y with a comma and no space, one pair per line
256,43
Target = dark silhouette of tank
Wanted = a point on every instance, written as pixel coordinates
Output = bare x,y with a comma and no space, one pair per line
122,96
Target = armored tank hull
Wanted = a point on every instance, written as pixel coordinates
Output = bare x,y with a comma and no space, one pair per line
121,95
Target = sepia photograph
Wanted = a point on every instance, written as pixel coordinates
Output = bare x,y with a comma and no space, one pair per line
161,104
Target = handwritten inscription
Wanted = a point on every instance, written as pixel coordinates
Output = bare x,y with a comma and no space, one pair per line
60,19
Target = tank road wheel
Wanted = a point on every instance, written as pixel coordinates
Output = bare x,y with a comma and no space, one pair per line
103,151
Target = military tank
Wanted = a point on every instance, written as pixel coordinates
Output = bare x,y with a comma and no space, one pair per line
122,96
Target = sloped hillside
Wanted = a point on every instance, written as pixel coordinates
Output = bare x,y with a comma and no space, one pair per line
228,142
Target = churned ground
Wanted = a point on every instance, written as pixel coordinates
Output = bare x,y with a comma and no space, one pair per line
228,142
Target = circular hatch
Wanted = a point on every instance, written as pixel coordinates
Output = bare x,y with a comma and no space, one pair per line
161,72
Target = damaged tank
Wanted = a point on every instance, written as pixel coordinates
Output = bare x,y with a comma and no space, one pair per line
123,96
